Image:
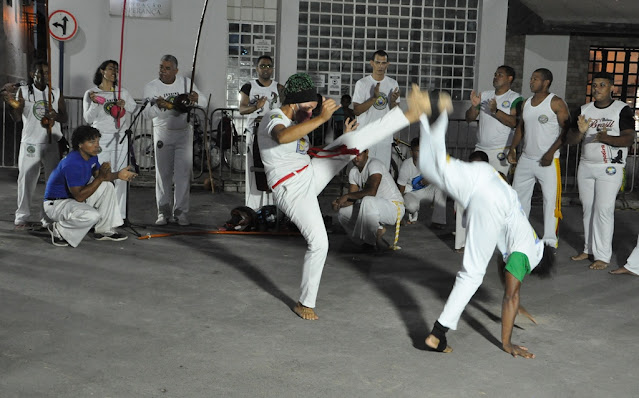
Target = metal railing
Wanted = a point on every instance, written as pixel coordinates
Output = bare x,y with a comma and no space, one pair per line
228,158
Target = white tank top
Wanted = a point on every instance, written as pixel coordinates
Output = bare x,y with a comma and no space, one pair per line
541,128
36,104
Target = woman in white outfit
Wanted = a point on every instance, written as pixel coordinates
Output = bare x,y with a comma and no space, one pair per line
110,115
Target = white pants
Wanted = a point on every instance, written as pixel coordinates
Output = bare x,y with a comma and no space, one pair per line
492,209
598,188
362,220
429,194
29,160
498,159
116,154
173,166
297,196
632,263
460,226
528,172
253,197
74,219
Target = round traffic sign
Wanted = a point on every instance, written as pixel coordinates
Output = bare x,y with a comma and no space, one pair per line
62,25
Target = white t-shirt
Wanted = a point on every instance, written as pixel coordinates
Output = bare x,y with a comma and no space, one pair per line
541,128
608,117
255,92
36,106
99,116
364,90
492,133
407,173
164,119
280,159
387,188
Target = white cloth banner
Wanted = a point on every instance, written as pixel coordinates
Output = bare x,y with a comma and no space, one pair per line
158,9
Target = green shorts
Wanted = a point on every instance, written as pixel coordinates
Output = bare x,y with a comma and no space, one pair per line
518,265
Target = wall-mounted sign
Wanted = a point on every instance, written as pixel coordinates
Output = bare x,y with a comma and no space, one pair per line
158,9
334,84
262,46
319,79
62,25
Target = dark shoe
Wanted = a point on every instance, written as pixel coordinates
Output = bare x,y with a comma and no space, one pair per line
56,239
114,236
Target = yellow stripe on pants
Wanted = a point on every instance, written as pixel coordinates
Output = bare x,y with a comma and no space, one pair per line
397,223
558,214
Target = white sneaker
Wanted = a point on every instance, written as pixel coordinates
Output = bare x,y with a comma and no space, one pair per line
161,220
183,221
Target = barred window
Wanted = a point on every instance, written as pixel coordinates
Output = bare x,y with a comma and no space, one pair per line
623,64
252,33
429,42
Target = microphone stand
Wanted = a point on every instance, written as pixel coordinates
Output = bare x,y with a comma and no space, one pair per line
131,156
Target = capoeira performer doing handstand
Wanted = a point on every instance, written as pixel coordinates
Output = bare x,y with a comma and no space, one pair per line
296,179
494,218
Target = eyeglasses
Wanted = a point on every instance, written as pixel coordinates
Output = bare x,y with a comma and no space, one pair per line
265,66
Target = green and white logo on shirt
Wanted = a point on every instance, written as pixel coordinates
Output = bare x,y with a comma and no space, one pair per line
40,109
381,102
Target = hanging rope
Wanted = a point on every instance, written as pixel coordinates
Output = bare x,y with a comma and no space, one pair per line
398,222
45,120
117,119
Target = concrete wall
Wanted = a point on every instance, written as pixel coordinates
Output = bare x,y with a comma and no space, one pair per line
514,57
492,42
550,52
287,51
146,40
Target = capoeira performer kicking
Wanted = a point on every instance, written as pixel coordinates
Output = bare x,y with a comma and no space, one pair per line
296,179
495,218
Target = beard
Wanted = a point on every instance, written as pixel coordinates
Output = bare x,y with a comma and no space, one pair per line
302,116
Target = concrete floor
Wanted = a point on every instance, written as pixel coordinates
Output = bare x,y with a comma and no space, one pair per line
208,316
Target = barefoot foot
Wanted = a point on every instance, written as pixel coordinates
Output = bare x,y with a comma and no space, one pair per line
381,243
432,343
598,264
524,312
579,257
621,271
305,312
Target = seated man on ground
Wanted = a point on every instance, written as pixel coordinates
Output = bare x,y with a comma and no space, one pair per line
416,190
372,201
79,194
